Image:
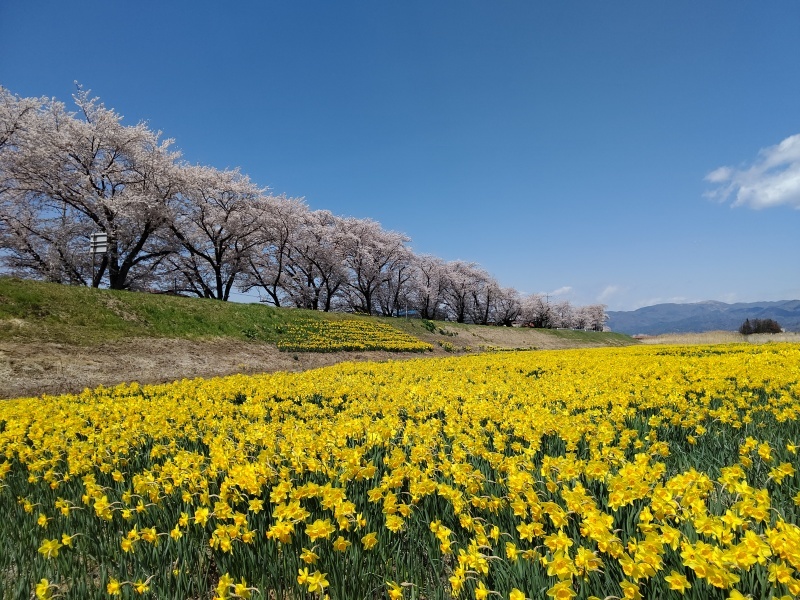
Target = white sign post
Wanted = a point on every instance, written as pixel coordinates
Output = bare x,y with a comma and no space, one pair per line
98,244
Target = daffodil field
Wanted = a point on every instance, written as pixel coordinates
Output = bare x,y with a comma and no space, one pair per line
639,472
332,336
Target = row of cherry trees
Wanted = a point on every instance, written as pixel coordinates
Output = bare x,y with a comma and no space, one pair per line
172,226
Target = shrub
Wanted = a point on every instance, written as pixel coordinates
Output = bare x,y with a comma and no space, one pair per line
428,325
759,326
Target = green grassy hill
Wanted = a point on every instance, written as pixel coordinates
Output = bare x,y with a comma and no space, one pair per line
32,311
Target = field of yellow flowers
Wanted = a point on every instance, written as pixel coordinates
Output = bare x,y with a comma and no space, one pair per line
639,472
334,336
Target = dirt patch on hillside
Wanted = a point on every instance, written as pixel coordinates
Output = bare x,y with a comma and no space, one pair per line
480,337
721,337
34,368
47,368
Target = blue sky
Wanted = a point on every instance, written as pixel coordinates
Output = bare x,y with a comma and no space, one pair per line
623,152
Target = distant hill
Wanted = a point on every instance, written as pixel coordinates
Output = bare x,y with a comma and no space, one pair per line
703,316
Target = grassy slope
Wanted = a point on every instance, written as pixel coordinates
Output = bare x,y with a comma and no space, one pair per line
481,337
33,311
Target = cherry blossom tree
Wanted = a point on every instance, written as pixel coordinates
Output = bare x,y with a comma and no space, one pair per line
279,221
459,286
562,314
215,223
597,316
314,272
507,307
536,312
91,169
35,240
483,295
580,317
427,287
17,116
66,175
42,244
370,255
394,295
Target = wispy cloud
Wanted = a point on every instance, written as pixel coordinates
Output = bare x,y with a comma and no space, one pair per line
562,291
772,179
609,291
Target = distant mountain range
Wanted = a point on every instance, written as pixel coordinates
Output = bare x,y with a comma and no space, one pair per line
703,316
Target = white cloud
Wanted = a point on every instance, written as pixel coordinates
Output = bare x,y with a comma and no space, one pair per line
772,179
562,291
720,175
609,291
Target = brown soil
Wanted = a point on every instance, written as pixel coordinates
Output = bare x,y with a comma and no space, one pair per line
28,369
34,368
